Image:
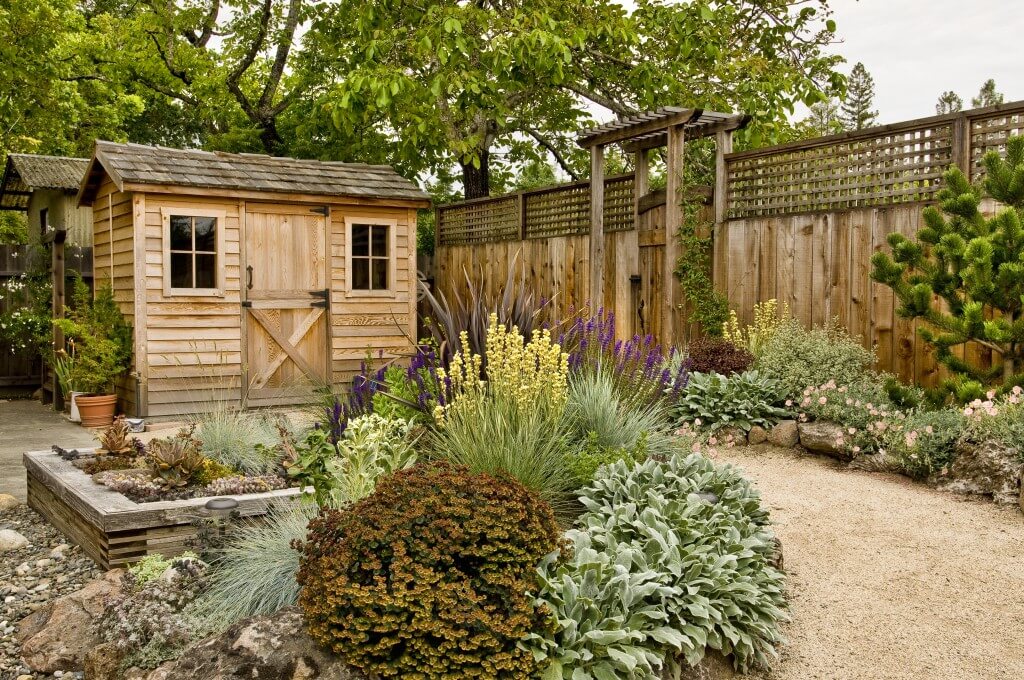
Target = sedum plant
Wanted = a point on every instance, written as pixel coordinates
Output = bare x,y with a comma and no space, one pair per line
712,401
683,564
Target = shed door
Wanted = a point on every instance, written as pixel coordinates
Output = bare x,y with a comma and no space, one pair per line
286,302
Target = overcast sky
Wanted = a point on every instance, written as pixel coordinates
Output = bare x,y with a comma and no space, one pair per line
916,49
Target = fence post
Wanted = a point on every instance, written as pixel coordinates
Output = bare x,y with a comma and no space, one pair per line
521,207
597,226
962,144
673,222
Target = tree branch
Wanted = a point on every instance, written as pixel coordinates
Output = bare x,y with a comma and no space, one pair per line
209,23
553,150
247,60
284,46
169,63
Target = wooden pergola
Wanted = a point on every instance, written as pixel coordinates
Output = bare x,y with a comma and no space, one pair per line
669,126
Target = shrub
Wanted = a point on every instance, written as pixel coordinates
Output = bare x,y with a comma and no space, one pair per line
768,319
798,357
742,400
99,337
714,355
924,442
585,462
997,419
691,553
428,575
254,571
242,441
862,407
640,369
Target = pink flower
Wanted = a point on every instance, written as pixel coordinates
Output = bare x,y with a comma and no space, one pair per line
1017,390
852,430
856,449
789,402
712,441
696,447
928,429
822,400
991,394
968,411
697,421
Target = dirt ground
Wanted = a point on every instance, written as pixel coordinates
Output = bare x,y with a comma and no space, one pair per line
889,578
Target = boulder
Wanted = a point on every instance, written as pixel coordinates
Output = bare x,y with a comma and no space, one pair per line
274,646
785,434
824,437
985,469
11,540
713,666
103,662
57,636
7,501
731,436
757,435
776,558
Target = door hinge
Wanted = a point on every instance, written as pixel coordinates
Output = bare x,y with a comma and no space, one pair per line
247,303
320,210
320,293
320,304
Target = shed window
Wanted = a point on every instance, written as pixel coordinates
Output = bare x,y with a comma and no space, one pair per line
192,249
371,257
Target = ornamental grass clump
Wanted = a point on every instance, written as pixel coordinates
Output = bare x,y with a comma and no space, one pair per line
242,441
669,559
428,577
511,423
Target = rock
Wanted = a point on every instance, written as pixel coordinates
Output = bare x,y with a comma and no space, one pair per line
731,436
784,434
776,559
57,636
824,437
103,662
172,573
757,435
11,540
274,646
986,469
7,501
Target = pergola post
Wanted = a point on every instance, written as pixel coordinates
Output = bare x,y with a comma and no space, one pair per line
723,146
597,226
676,145
641,181
57,272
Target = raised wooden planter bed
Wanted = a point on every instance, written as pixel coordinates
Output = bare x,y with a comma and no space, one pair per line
113,530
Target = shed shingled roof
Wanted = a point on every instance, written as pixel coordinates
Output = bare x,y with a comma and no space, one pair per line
25,173
157,165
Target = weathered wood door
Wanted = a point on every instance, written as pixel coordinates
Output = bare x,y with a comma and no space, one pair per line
286,302
649,301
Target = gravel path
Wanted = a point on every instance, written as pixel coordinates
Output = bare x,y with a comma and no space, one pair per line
29,577
889,578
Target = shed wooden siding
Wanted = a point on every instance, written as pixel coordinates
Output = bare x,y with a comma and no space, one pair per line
191,344
380,326
62,212
113,265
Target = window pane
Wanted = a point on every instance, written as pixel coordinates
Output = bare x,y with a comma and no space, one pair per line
380,241
181,232
206,234
360,240
206,271
181,270
380,274
361,274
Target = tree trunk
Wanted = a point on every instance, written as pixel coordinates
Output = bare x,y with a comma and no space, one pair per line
270,137
476,182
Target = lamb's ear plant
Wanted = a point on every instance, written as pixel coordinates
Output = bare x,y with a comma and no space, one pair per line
742,400
671,558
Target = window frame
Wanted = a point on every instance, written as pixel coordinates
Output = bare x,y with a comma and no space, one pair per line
220,216
374,221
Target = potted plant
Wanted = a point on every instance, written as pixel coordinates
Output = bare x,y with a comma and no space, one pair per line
100,342
63,363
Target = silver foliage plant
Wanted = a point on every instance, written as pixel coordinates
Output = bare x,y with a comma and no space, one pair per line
670,558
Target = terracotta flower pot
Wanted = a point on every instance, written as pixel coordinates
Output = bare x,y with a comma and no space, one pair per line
97,410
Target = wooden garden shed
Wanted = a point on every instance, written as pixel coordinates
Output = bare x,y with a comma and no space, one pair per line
248,279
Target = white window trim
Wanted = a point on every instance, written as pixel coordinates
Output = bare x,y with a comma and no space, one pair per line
221,217
392,224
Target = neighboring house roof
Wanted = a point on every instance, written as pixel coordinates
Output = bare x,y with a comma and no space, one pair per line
137,164
25,173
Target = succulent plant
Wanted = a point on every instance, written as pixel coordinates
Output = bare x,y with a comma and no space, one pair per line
175,460
115,439
238,485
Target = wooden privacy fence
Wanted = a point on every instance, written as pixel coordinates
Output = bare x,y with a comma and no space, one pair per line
545,233
804,219
797,222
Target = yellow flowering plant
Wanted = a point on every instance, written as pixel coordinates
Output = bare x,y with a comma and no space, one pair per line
768,318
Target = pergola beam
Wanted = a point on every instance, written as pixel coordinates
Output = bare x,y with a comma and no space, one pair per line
625,130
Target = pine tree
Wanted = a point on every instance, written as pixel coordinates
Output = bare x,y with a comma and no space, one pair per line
987,95
855,111
949,102
964,274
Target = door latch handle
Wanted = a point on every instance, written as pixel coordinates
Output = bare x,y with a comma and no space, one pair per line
248,277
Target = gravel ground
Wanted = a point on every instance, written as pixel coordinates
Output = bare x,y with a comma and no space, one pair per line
889,578
49,567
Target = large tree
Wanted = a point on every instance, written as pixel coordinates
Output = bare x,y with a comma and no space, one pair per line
857,109
456,81
949,102
987,95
